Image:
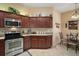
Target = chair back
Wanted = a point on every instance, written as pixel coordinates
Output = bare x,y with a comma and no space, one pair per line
73,38
61,35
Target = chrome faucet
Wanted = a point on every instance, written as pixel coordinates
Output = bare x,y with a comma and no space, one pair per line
29,30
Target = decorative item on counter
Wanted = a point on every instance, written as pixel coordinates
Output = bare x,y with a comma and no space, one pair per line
46,15
33,32
23,32
43,14
13,10
39,14
13,29
26,15
29,31
50,15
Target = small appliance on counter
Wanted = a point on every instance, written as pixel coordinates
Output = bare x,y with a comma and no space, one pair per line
33,33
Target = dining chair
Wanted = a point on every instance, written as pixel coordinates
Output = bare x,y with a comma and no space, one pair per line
72,40
62,38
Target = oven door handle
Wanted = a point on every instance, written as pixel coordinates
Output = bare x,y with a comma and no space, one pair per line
9,40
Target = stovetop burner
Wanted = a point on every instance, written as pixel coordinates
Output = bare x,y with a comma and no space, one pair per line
12,36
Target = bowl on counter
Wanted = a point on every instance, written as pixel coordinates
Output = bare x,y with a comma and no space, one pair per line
33,33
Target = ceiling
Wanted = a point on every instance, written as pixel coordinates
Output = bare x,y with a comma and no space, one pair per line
62,7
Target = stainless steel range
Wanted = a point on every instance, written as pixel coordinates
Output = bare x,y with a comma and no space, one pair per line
13,44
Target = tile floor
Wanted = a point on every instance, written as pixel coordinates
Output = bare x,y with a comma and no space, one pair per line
54,51
26,53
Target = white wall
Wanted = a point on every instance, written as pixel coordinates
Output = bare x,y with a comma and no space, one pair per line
56,19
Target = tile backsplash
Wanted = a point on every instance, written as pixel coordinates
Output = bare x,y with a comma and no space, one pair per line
38,30
25,30
2,31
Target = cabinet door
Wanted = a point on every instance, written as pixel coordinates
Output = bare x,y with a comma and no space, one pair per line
2,19
34,41
27,43
41,42
15,16
2,47
33,22
49,41
3,15
45,41
41,22
48,22
45,22
25,22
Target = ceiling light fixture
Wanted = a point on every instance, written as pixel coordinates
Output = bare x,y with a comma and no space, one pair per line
75,16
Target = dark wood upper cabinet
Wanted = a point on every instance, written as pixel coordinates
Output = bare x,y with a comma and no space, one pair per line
41,22
23,19
2,47
33,22
45,22
2,15
25,22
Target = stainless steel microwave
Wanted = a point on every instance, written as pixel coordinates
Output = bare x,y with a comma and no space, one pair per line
9,22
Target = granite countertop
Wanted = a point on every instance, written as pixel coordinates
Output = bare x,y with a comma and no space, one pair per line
36,34
1,38
29,35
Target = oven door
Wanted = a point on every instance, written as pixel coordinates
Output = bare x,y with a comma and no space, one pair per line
13,45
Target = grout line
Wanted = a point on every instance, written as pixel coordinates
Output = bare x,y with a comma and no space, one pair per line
29,53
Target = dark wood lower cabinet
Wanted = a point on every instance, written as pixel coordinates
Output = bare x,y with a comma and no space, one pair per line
27,43
2,47
37,42
41,42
